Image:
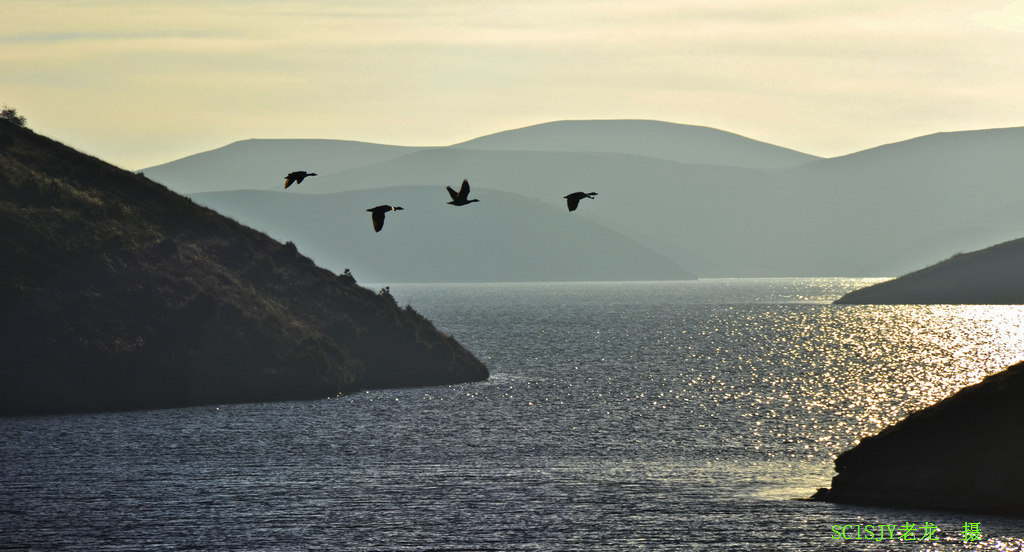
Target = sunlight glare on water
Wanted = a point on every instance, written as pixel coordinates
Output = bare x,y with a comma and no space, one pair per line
619,416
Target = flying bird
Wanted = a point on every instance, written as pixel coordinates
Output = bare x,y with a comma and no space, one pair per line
296,178
573,199
459,198
378,215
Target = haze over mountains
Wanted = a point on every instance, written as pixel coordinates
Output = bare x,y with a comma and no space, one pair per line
683,200
523,239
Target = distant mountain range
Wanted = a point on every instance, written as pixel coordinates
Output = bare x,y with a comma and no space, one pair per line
504,237
685,200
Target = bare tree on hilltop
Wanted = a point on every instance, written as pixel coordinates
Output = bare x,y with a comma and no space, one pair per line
10,114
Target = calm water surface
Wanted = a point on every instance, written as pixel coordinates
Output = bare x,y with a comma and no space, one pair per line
619,416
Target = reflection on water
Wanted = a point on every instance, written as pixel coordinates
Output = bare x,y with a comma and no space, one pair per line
779,359
619,416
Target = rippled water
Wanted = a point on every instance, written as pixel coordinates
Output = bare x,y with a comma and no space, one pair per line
619,416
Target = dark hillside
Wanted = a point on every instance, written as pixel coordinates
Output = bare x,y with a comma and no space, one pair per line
116,293
962,453
994,275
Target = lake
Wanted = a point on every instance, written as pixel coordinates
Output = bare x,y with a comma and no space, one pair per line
618,416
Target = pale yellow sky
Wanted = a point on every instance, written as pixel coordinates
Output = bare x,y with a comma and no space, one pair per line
139,83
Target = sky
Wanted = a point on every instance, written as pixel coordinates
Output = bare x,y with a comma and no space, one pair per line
139,83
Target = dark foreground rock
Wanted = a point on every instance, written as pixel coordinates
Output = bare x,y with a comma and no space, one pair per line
963,453
991,276
116,293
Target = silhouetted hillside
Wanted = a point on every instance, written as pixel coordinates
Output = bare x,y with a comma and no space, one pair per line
962,453
116,293
991,276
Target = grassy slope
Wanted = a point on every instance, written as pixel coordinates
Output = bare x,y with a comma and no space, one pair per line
116,293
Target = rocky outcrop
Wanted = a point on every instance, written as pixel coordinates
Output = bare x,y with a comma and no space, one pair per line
994,275
116,293
963,453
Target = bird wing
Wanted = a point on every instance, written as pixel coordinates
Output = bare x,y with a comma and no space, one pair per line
288,180
464,191
453,193
378,220
572,202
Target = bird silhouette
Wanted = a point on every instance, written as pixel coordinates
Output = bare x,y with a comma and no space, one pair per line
378,215
459,198
573,199
296,178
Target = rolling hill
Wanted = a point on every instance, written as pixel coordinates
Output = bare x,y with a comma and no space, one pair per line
714,203
673,142
261,164
117,293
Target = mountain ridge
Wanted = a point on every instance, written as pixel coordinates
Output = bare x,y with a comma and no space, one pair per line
880,213
659,139
251,162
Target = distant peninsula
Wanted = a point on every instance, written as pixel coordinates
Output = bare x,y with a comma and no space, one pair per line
994,275
962,453
118,294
